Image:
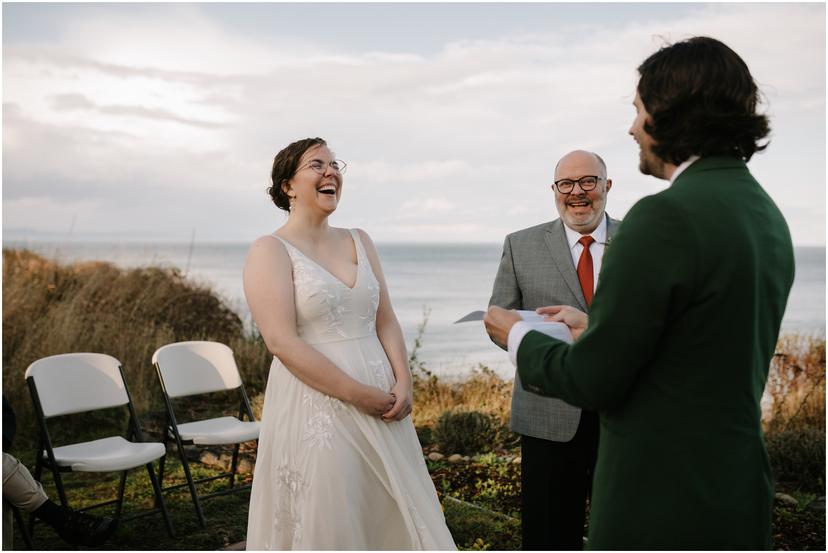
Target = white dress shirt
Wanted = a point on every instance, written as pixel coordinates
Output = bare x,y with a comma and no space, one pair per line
596,249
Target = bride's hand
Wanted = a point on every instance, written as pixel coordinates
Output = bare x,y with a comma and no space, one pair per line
576,320
373,401
402,407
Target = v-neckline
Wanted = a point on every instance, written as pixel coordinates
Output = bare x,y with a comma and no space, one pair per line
333,276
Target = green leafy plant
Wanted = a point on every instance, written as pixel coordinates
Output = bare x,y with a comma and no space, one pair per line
465,432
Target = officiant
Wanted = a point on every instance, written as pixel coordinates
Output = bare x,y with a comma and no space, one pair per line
683,327
557,262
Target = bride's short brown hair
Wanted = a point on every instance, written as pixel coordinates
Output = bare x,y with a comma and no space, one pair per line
284,166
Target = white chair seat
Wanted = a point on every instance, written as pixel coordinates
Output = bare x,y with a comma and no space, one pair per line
219,431
107,454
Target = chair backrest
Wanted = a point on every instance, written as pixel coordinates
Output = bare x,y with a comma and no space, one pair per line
190,368
77,382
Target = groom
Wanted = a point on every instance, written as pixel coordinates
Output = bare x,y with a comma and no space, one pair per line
547,265
676,350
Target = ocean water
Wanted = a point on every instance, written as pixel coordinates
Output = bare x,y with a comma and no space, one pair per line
443,281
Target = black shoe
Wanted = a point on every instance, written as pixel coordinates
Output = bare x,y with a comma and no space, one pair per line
82,529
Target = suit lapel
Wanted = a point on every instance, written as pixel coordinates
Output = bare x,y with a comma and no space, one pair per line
612,228
555,239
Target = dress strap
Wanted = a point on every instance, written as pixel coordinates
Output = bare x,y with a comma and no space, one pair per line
282,240
358,243
290,248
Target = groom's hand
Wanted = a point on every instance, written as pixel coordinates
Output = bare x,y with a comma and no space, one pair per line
499,322
576,320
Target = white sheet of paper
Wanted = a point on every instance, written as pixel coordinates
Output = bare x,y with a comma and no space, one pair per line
556,330
528,316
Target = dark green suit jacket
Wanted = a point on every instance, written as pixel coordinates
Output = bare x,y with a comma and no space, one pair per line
682,330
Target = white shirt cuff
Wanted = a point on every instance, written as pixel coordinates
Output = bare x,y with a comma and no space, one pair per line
516,334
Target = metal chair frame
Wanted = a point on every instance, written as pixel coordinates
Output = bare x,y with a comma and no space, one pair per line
171,433
24,529
46,449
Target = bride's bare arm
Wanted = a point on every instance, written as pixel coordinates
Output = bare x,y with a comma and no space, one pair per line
268,287
391,337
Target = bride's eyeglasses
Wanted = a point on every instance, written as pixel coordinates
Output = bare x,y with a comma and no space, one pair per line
320,166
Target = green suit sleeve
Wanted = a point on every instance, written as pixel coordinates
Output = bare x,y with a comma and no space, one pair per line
646,281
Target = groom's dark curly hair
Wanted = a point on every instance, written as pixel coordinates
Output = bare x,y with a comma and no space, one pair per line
702,100
285,165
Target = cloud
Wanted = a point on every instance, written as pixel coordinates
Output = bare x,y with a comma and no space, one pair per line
417,208
70,102
173,109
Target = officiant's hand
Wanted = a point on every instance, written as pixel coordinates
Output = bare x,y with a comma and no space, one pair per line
499,322
576,320
402,407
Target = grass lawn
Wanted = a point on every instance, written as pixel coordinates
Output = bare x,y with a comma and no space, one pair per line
480,501
226,515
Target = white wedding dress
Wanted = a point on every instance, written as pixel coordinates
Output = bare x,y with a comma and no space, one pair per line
327,475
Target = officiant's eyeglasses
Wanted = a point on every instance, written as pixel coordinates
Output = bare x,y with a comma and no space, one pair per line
587,183
320,166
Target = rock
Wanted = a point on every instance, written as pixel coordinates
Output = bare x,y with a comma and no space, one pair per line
245,466
817,504
456,458
435,456
516,460
209,458
786,499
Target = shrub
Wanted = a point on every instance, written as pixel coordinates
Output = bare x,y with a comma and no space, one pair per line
51,308
465,432
426,435
796,384
798,457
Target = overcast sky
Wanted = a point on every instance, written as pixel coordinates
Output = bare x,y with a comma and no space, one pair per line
144,122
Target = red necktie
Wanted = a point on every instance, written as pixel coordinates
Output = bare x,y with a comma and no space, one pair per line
585,268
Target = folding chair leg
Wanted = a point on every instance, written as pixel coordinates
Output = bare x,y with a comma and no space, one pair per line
38,466
162,462
191,484
159,499
121,486
59,486
27,537
234,466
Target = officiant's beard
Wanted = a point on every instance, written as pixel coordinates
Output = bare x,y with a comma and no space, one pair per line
589,220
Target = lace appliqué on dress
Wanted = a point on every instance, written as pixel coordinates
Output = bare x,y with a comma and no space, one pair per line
309,282
380,376
319,427
289,487
374,290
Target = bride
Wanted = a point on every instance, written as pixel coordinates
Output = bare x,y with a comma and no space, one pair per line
339,465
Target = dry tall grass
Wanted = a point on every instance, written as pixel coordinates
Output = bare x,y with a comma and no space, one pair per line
796,385
49,308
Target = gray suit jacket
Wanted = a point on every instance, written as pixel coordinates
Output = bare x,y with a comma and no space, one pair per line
536,270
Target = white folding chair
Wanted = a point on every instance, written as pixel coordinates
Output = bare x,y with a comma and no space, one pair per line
80,382
192,368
